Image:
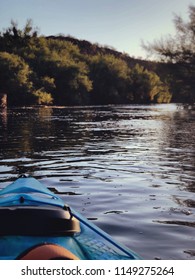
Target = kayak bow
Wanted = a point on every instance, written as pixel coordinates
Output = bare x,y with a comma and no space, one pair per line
35,222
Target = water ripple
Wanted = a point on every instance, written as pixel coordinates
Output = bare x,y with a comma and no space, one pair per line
131,169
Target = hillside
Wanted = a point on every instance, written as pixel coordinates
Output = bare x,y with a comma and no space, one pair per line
62,70
88,48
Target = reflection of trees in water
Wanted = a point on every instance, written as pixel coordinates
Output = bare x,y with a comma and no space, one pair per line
3,118
178,147
182,144
31,132
185,202
38,129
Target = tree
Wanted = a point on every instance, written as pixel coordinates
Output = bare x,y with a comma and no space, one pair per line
15,78
147,87
42,97
179,52
72,82
14,38
110,76
40,70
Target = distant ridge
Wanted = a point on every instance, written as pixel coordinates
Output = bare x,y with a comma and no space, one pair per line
89,48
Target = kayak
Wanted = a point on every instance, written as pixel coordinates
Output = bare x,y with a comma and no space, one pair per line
37,224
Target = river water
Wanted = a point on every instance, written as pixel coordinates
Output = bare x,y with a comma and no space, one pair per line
129,169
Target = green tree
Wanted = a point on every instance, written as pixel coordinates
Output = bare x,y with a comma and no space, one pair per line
43,90
147,87
62,63
39,70
110,76
72,83
15,78
179,52
42,97
13,37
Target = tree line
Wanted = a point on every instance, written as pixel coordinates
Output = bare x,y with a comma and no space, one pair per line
177,56
52,70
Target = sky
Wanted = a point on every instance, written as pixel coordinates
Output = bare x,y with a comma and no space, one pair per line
121,24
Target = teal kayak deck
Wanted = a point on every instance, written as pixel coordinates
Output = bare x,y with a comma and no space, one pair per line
91,243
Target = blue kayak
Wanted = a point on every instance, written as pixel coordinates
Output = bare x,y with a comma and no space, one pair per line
36,224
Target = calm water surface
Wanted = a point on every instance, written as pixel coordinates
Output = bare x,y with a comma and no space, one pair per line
130,169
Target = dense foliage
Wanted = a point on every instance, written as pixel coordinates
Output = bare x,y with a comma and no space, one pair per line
179,54
53,70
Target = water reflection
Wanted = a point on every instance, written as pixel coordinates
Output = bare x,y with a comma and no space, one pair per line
125,167
3,118
180,223
186,202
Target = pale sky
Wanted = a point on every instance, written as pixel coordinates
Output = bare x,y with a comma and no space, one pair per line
121,24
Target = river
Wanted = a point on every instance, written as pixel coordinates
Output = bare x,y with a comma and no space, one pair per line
129,169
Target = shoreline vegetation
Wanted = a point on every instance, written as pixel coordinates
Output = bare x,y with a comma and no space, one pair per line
64,71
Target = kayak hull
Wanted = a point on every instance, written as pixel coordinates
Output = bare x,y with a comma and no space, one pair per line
85,241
